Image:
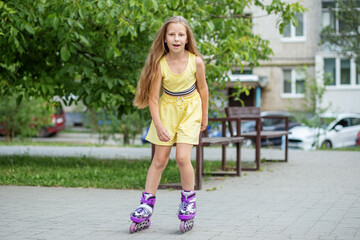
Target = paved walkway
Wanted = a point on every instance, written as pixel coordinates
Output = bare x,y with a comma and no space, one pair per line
109,152
314,196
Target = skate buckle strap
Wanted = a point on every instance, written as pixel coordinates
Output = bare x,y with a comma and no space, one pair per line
182,206
147,207
184,209
149,201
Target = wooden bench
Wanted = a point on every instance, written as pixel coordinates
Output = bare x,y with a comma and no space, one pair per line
205,141
253,113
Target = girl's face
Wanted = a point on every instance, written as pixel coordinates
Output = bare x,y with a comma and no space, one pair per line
176,37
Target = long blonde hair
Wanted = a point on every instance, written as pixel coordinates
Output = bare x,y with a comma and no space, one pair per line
159,49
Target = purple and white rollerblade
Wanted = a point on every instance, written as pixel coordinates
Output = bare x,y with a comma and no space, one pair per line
141,216
187,210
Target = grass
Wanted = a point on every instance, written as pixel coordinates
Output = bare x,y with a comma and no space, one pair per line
40,143
354,148
83,172
30,142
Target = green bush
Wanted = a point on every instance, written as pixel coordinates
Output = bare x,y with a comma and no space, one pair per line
23,119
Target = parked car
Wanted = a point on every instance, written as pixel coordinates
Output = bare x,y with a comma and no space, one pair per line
337,131
57,123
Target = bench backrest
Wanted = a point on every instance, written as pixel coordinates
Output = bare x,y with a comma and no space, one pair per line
241,111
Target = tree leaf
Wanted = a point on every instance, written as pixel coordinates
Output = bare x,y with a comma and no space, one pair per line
84,41
55,23
65,53
81,13
19,99
210,25
155,5
29,28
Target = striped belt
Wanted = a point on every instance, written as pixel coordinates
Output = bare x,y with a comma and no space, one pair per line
190,90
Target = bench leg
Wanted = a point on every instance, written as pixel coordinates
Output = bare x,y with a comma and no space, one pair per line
258,144
257,153
223,159
238,159
199,167
202,157
286,148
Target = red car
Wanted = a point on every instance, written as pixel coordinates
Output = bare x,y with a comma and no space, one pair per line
57,124
357,143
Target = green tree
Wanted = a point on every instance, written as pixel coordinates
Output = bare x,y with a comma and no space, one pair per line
240,90
107,124
96,49
343,37
312,107
23,119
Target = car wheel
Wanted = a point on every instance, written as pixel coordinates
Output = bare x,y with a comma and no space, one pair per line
248,143
43,132
326,144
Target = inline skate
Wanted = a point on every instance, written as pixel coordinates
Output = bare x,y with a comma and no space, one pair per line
141,216
187,210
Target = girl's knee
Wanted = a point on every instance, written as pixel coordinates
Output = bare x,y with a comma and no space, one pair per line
160,162
182,160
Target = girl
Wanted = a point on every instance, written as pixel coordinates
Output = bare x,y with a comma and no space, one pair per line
174,67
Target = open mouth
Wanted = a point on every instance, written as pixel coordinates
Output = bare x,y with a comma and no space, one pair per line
176,45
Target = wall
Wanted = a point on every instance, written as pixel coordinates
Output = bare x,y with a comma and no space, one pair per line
286,54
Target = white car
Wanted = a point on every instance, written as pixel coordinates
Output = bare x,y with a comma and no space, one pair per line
340,132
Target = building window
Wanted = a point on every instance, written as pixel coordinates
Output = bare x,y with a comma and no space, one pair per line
245,71
292,33
328,17
341,72
299,82
294,83
333,17
345,71
330,70
287,81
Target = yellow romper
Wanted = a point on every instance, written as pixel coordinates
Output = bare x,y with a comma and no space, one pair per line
181,116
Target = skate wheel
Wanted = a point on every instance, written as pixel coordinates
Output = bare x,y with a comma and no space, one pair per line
186,225
132,227
135,227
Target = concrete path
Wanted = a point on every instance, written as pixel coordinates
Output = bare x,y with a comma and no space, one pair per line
112,152
314,196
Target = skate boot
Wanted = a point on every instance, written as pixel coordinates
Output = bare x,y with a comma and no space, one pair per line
141,216
187,210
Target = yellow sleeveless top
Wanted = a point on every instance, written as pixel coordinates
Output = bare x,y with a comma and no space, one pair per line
178,82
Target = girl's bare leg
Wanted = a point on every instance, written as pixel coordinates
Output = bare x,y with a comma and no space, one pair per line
183,160
158,164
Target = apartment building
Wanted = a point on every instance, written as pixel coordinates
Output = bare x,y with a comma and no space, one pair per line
279,84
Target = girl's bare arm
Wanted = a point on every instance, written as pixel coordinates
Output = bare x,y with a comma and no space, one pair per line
154,107
203,91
